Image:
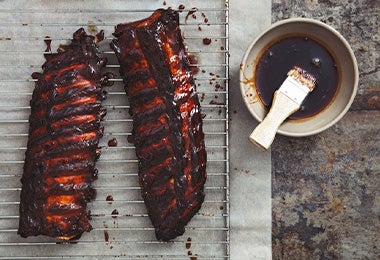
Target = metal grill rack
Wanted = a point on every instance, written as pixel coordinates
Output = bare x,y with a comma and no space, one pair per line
129,234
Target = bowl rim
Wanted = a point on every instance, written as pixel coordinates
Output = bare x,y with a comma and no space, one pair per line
341,39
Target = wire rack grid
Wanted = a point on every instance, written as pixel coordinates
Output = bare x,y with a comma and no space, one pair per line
121,227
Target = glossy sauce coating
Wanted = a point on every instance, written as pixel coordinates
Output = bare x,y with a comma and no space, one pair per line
167,122
64,132
280,57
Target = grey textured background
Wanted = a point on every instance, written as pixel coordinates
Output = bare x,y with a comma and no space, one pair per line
325,188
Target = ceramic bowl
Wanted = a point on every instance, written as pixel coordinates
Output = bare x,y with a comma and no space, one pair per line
339,49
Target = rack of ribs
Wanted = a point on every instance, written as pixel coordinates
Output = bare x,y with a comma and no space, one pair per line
64,132
167,121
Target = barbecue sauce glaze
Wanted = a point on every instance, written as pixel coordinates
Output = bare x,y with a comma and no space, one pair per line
306,53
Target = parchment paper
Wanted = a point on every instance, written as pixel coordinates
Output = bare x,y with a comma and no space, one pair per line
250,167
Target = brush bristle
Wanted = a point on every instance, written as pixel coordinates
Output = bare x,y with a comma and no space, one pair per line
303,77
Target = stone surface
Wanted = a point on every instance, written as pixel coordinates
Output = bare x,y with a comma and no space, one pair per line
325,188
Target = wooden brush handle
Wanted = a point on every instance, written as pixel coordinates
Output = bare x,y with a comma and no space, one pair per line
282,108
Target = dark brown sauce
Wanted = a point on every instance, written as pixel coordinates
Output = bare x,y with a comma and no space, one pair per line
106,236
66,242
115,212
112,142
181,7
188,244
191,13
193,60
205,18
130,139
206,41
106,79
48,44
109,199
281,56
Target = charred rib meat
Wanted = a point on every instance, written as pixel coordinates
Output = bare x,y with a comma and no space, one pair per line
167,121
62,148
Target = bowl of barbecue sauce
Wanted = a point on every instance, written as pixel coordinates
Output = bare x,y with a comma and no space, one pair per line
313,46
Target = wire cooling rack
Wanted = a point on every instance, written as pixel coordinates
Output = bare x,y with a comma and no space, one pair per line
121,227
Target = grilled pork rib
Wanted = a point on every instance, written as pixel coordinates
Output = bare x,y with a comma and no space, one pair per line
62,148
167,121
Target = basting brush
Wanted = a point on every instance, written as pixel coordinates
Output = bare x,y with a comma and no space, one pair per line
286,100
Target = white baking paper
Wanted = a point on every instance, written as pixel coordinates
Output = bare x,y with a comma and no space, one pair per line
250,166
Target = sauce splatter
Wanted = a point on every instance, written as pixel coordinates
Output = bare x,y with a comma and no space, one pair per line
188,244
112,142
115,212
109,199
106,236
106,79
181,7
191,12
193,60
206,41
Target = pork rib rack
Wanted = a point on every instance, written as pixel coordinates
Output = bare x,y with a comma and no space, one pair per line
62,148
167,121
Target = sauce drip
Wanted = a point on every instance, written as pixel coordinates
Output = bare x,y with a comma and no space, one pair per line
115,212
279,58
106,236
188,244
191,12
48,44
193,60
109,199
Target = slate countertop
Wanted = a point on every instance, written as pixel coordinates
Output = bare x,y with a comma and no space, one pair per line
326,188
